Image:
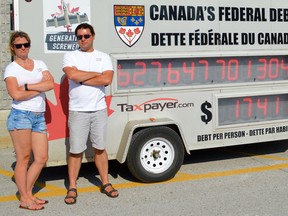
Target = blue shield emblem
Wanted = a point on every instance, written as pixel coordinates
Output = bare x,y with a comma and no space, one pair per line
129,22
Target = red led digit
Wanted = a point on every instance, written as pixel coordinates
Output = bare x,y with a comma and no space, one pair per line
273,71
249,102
277,102
139,73
191,71
262,68
234,63
123,77
283,66
159,69
262,105
237,109
249,69
206,72
223,63
173,75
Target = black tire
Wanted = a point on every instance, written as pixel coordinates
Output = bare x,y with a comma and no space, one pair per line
155,154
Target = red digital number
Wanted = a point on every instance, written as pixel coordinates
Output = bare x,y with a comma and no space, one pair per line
262,68
139,73
233,63
223,63
231,75
190,71
237,109
227,70
159,69
253,109
283,66
249,69
262,105
277,103
249,102
272,70
123,77
173,76
206,72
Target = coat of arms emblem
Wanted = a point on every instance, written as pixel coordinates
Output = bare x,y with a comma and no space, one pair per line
129,22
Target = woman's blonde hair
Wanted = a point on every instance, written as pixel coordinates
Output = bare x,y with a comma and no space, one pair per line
13,36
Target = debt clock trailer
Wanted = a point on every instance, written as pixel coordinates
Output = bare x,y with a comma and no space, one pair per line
187,75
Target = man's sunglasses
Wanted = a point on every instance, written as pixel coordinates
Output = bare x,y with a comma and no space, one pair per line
19,46
86,36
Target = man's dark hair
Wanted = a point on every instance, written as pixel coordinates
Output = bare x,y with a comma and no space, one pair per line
85,26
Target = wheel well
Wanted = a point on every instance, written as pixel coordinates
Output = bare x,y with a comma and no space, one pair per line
132,129
171,126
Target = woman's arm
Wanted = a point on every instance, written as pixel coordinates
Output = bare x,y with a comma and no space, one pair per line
16,92
20,93
46,84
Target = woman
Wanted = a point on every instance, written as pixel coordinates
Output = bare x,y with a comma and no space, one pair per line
27,80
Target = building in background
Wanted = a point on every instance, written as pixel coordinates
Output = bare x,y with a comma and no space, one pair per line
6,16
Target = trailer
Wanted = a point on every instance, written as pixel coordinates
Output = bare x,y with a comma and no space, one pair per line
188,75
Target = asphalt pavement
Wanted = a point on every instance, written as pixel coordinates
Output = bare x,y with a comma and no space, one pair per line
246,180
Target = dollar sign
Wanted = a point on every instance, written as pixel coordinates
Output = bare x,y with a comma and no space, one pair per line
208,114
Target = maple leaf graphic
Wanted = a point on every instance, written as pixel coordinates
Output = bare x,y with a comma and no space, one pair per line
74,10
57,115
108,102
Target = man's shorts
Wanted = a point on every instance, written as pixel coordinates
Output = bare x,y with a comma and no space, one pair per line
23,119
87,124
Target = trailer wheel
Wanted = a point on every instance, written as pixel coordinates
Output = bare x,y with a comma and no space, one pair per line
155,154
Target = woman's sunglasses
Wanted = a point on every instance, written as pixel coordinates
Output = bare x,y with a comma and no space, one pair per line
86,36
19,46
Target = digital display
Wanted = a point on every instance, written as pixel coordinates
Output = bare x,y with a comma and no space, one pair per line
250,109
175,72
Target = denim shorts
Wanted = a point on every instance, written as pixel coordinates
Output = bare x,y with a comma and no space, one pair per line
23,119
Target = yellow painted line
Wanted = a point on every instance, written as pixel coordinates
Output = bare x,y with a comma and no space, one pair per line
256,155
58,191
8,198
6,173
37,184
178,178
187,177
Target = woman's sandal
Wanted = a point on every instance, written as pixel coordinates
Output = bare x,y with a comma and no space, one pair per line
71,197
40,201
30,207
109,193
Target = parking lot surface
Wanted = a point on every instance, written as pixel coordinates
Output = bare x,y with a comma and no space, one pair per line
241,180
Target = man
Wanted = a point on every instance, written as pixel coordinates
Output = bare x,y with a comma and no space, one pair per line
88,72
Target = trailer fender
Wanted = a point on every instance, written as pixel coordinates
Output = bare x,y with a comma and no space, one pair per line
133,126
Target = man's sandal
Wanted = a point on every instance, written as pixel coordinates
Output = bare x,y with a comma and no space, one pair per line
109,193
71,197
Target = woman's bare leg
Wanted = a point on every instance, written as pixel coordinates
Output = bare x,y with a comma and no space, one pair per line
22,140
40,154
